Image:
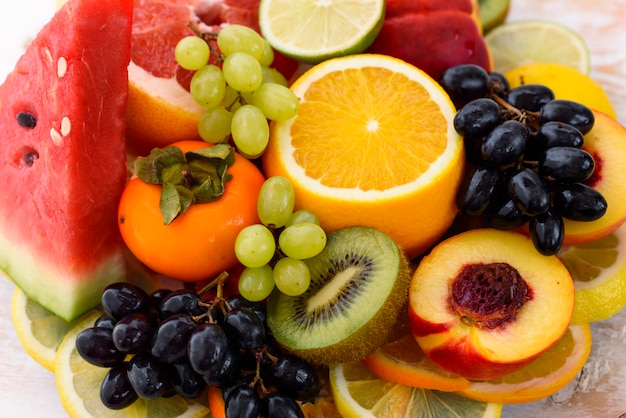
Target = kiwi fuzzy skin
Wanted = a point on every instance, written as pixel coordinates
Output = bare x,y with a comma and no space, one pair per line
371,335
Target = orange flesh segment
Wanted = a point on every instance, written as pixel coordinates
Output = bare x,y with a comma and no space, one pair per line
400,144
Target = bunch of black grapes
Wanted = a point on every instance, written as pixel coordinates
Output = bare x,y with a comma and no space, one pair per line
171,343
525,158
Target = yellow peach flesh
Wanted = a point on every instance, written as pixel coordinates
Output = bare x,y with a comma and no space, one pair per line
607,143
539,323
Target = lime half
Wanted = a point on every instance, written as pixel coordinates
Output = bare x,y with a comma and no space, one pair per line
313,31
523,42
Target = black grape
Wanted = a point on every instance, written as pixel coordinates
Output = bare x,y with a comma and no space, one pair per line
529,191
245,328
559,134
498,83
464,83
120,299
477,118
242,402
579,202
506,143
185,380
278,405
148,377
567,111
295,377
116,391
95,345
530,97
181,301
566,164
207,348
547,232
506,215
170,342
133,333
478,190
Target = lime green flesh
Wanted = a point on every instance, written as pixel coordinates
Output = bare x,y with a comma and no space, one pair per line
57,289
307,31
344,295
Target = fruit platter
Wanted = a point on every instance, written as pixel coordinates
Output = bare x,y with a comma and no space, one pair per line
226,208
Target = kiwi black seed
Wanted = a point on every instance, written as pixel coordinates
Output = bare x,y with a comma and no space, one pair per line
359,286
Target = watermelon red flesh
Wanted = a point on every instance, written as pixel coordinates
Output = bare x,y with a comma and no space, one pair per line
61,180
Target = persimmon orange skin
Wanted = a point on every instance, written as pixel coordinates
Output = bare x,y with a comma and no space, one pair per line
199,244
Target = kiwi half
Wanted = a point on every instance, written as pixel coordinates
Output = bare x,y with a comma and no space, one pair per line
359,286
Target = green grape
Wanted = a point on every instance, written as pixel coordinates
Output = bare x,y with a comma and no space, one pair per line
208,86
272,75
192,53
275,202
250,131
239,38
255,245
242,71
302,240
214,124
268,55
303,215
256,284
276,102
291,276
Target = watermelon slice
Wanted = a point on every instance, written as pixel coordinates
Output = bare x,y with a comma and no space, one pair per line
63,158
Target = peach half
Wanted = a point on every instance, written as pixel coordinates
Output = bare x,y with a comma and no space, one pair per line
485,303
607,143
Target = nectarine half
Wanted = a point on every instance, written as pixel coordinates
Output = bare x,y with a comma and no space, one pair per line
485,303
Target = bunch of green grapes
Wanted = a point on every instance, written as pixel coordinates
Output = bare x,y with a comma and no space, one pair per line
273,250
241,92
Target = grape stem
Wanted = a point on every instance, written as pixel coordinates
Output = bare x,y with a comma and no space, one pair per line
511,112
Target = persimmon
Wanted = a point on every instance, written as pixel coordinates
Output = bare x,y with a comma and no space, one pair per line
198,243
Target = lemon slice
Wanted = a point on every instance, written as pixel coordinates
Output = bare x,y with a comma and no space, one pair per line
78,383
313,31
40,331
518,43
360,394
599,272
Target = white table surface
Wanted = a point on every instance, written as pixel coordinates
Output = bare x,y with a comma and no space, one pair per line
28,390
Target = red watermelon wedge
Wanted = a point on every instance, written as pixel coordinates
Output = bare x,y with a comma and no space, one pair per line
63,158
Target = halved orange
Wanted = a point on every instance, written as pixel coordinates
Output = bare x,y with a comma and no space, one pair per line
552,371
373,144
402,361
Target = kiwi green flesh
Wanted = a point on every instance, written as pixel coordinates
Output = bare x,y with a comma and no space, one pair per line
359,285
493,12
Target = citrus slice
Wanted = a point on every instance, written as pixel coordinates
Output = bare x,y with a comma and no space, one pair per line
402,361
517,43
40,331
599,272
552,371
566,82
360,394
78,383
313,31
373,144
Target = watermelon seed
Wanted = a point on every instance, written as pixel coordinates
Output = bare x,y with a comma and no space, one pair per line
56,136
29,155
61,67
66,126
26,120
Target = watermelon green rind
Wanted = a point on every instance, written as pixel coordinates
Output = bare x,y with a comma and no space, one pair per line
60,181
